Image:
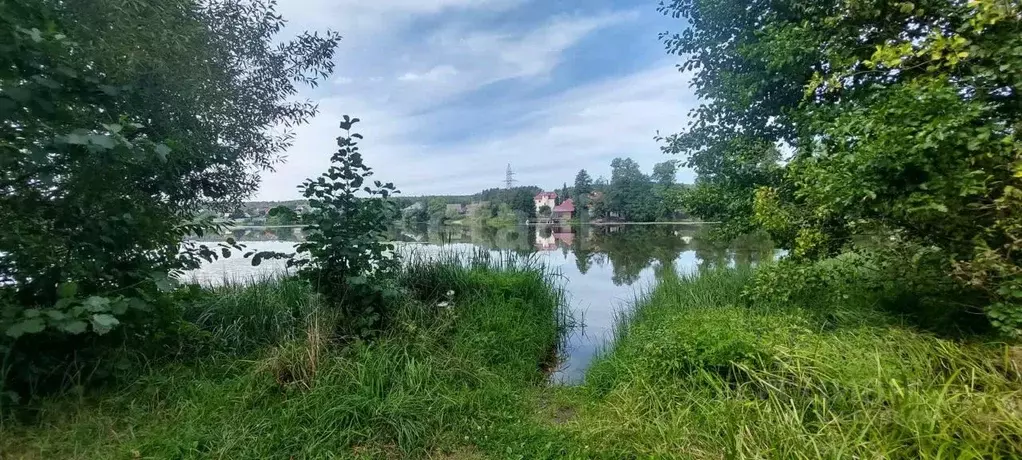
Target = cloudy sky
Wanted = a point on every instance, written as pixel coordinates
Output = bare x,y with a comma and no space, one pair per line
452,91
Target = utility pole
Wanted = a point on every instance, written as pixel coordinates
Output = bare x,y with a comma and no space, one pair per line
510,181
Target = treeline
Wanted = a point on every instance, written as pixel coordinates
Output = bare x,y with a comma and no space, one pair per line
878,141
629,195
494,206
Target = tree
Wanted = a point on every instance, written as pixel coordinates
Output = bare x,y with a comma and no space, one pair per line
115,132
346,259
630,193
437,210
281,215
545,211
565,195
215,78
664,173
583,184
902,120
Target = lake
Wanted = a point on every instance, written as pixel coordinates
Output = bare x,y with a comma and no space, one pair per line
601,268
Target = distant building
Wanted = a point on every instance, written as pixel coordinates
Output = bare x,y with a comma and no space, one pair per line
548,199
564,211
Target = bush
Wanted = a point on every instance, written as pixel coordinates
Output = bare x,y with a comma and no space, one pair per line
343,255
853,287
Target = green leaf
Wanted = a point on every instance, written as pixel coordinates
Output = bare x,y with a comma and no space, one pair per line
103,323
77,139
162,151
96,304
163,282
67,290
136,303
102,140
74,327
119,306
28,326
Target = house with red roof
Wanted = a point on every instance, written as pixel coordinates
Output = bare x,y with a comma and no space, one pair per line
564,211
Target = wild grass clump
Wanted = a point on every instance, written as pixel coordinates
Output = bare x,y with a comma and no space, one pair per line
243,317
699,373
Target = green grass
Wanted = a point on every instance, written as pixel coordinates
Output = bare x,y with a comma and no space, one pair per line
274,385
695,373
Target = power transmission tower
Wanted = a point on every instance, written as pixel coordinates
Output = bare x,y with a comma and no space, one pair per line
510,181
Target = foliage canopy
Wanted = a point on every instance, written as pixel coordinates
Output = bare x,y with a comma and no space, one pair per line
900,119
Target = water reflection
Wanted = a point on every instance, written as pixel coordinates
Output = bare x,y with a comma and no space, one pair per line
602,268
626,249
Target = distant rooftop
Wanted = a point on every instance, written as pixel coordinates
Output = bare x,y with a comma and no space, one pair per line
567,206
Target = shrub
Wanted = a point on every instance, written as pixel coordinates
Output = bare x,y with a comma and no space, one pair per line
343,255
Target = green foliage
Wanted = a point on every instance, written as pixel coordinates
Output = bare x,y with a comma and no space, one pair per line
343,255
215,77
113,135
630,193
437,210
909,130
772,383
583,184
278,386
282,215
417,213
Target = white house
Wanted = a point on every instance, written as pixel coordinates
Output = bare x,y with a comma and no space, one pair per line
545,199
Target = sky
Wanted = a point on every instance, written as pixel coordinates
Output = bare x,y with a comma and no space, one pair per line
452,91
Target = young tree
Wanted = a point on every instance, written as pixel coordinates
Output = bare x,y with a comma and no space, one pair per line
346,259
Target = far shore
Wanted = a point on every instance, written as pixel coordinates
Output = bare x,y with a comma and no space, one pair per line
596,224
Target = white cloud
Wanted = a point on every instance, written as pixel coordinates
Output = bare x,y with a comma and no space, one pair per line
440,72
492,56
555,137
401,81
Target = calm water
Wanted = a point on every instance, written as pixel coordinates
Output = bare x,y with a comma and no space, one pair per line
602,268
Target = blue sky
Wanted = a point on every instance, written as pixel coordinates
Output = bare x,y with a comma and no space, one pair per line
451,91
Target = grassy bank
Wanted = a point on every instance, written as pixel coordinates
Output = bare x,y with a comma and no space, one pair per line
272,382
696,373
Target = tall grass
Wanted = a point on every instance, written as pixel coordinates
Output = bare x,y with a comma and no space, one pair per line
451,367
696,373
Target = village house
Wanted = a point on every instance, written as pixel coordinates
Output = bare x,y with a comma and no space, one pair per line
564,211
548,199
558,212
